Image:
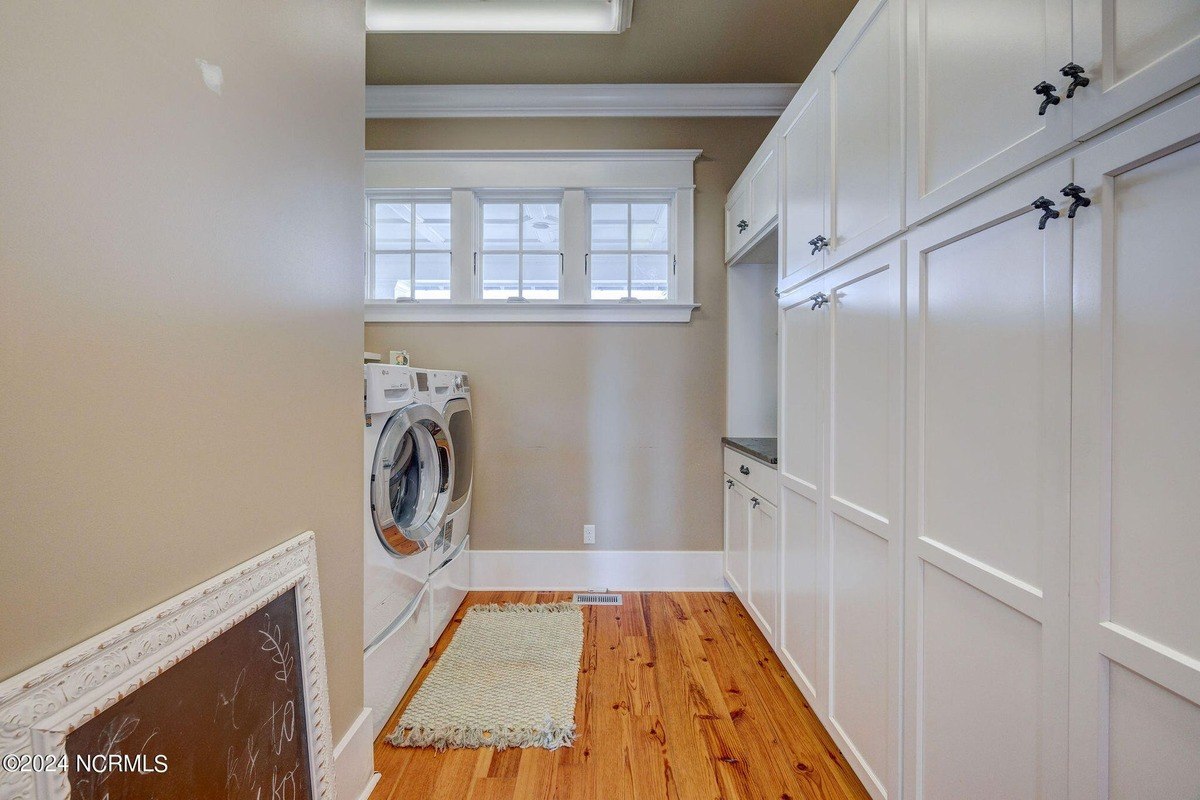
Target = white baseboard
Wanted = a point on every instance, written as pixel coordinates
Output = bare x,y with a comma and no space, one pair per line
354,761
569,570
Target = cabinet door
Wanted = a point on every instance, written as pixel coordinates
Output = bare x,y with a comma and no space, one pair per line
1135,680
1133,53
986,550
863,513
972,112
801,484
764,193
737,220
737,537
866,97
805,149
764,567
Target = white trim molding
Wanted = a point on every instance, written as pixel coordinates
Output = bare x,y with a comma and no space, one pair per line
624,570
581,100
529,312
41,705
354,760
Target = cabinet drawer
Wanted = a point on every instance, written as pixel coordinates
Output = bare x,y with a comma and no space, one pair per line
761,480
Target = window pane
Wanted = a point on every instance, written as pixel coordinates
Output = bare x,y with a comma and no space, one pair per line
433,226
433,276
610,276
541,226
540,276
392,229
649,276
500,226
392,273
650,226
499,276
610,226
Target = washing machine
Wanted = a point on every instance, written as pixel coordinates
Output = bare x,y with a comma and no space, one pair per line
409,480
450,574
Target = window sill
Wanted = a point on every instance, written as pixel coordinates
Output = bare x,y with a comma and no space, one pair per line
530,312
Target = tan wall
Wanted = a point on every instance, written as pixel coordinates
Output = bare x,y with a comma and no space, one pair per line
180,284
613,424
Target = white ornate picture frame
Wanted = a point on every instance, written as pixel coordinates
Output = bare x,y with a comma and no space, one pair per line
40,706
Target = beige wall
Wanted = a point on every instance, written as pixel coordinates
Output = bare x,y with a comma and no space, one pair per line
180,283
613,424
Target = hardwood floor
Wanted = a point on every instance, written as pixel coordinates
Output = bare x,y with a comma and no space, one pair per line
680,697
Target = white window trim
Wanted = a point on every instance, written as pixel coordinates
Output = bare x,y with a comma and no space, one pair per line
407,197
524,198
580,174
630,196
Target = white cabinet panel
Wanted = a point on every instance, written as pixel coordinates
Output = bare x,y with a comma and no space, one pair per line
737,220
764,192
805,151
764,567
986,561
737,537
865,463
801,367
802,592
1133,52
1135,553
972,111
866,96
979,689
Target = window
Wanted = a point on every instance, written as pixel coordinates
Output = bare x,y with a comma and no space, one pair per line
630,250
519,253
410,249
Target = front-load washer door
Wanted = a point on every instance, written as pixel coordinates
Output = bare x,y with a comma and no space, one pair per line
458,422
411,479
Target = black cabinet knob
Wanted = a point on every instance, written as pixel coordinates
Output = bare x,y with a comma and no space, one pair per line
1046,206
818,244
1047,90
1078,201
742,226
744,469
1078,80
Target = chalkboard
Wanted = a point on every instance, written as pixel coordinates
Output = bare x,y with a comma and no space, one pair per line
226,722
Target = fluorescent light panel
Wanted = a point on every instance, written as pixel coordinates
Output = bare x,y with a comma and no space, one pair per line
499,16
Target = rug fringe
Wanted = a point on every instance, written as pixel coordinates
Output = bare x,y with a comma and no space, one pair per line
536,608
549,736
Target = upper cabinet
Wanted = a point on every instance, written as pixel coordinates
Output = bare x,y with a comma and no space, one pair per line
1131,53
753,204
804,145
974,115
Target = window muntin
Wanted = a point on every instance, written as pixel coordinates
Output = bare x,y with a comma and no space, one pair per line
410,249
520,252
630,250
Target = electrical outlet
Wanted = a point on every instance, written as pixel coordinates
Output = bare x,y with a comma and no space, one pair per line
589,534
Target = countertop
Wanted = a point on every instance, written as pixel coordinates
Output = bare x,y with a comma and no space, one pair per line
763,449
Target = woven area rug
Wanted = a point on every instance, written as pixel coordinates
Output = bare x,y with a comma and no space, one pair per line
507,679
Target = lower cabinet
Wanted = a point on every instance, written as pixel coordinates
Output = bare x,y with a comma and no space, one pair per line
752,553
737,537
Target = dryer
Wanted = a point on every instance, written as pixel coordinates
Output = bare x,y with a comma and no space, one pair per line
408,476
450,577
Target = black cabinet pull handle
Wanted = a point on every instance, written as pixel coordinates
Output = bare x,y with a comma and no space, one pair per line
1046,90
819,299
818,244
1078,201
754,502
744,469
1078,80
742,226
729,482
1046,206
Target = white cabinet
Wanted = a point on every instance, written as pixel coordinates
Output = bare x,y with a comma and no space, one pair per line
753,204
805,149
973,115
1135,553
841,456
1132,53
737,537
988,473
866,107
764,566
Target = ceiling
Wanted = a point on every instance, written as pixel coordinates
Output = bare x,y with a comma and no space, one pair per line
669,41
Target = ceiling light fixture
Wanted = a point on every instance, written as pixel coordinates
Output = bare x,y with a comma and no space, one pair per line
498,16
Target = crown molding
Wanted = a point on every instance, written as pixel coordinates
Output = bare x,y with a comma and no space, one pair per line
581,100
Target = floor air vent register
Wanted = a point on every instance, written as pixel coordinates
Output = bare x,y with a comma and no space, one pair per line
597,599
